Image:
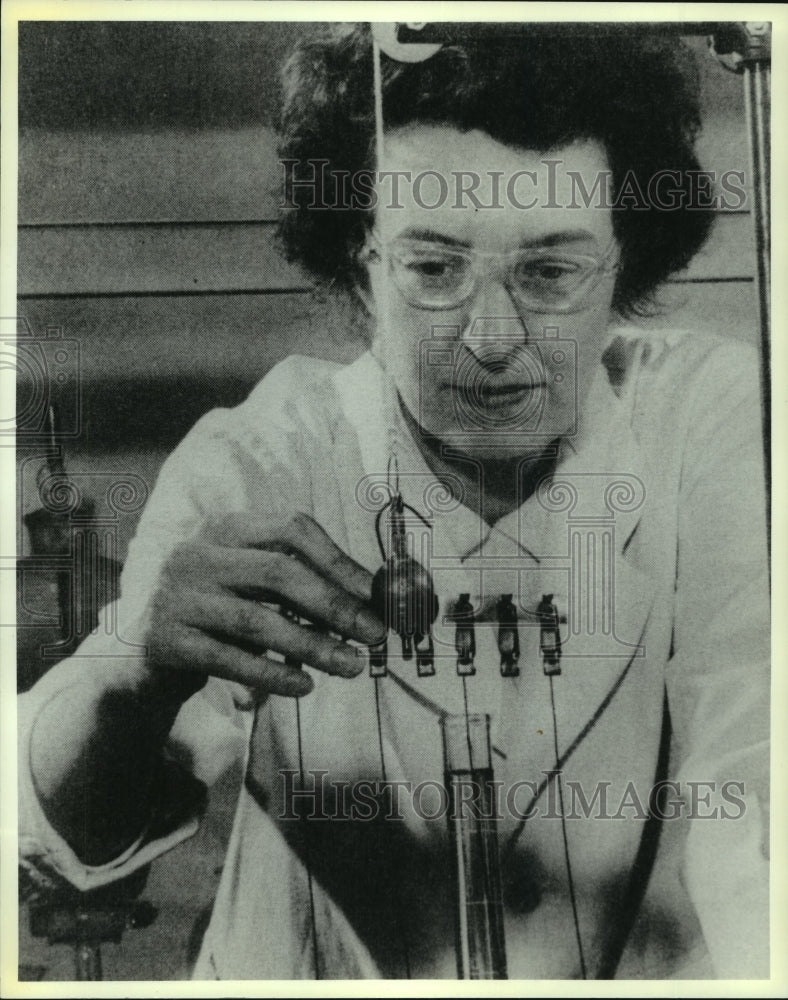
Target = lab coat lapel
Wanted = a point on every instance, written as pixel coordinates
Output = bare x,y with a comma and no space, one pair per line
580,524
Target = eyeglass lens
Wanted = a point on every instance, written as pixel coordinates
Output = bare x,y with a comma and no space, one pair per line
442,277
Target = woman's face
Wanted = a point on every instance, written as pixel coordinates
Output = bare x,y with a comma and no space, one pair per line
490,371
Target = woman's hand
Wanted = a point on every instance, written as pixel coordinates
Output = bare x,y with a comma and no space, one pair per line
96,780
207,616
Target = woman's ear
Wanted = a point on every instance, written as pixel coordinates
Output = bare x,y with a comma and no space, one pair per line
365,257
362,291
361,283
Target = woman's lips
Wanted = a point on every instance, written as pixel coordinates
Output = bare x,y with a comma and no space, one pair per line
510,390
499,395
511,396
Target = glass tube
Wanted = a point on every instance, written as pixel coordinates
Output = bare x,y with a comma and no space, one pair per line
473,843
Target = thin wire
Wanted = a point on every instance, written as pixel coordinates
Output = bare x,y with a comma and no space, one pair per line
467,722
429,705
463,921
383,318
307,852
378,92
377,88
378,518
384,777
571,881
393,463
383,773
600,711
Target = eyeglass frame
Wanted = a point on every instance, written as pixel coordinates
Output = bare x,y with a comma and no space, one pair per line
603,267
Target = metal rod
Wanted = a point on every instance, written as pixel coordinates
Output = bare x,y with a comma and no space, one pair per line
87,951
756,77
454,32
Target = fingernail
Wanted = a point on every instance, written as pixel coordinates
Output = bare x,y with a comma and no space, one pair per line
369,627
346,661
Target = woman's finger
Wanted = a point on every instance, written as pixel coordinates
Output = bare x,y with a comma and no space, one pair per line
298,534
304,536
257,627
192,650
298,585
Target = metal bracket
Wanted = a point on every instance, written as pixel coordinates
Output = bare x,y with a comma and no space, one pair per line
742,43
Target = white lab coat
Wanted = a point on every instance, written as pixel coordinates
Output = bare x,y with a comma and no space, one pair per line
651,539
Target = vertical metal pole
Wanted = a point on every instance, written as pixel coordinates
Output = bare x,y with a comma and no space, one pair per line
87,951
745,47
88,962
757,108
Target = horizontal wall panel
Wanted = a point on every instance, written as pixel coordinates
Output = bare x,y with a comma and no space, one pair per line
728,309
149,73
728,253
241,337
218,174
233,337
192,72
122,260
172,174
210,259
132,409
102,157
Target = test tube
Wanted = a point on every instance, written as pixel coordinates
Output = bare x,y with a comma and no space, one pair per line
473,843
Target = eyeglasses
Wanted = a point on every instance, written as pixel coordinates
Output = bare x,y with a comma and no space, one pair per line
543,279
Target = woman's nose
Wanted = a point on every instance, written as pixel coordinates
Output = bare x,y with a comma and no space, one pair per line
492,316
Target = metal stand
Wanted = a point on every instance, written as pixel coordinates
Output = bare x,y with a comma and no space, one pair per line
88,920
746,47
73,593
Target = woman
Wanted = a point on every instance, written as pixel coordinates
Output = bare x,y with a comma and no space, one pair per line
603,481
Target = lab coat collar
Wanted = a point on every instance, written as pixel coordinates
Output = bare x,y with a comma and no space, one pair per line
601,475
569,539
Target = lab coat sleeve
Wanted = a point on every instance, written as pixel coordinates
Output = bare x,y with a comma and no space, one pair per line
718,677
215,469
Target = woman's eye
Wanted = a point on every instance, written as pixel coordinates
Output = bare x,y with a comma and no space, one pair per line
550,270
431,267
553,270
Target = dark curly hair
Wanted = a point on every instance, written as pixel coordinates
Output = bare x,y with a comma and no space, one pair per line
638,96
